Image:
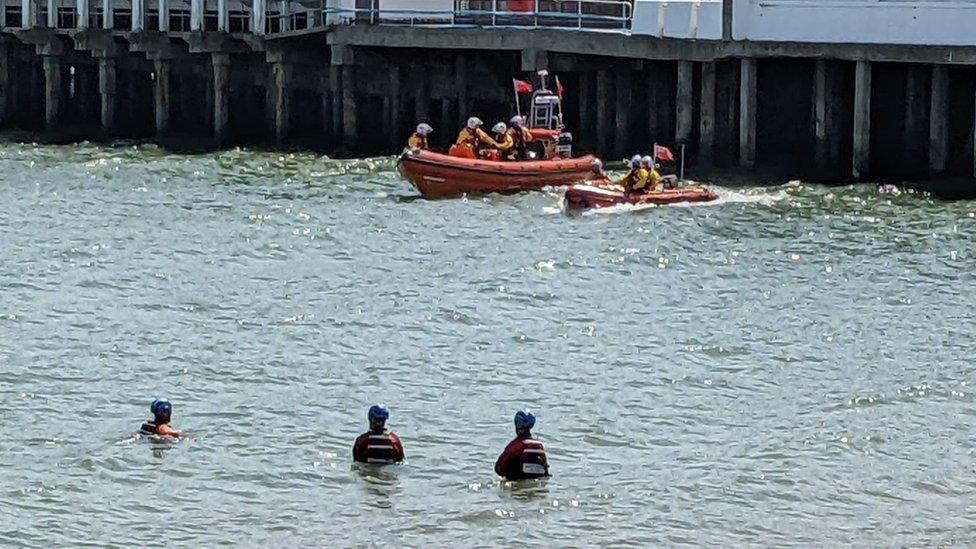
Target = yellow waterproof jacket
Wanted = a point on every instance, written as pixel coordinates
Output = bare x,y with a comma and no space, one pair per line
655,179
475,137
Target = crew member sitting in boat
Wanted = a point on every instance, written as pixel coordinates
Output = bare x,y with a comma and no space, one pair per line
654,180
162,411
524,458
504,141
636,177
520,137
473,139
418,140
378,446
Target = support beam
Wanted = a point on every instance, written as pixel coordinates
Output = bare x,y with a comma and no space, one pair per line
461,82
914,109
161,88
83,9
621,114
650,90
684,103
862,119
163,15
350,122
28,18
727,12
393,104
586,125
939,120
706,138
972,141
282,73
335,83
258,18
221,96
747,112
52,14
446,129
421,104
138,15
821,98
108,19
223,16
602,111
5,94
196,14
52,91
106,89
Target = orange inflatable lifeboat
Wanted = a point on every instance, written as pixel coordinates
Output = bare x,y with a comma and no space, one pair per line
599,195
438,175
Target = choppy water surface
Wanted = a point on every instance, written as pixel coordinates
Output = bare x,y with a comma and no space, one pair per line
791,366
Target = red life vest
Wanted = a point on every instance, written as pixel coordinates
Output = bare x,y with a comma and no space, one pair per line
380,449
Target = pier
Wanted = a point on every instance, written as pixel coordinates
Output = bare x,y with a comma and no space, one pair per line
857,89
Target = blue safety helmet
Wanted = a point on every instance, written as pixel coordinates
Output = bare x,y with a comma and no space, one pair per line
524,419
160,406
378,412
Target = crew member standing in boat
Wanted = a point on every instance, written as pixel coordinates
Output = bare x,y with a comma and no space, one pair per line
524,458
520,137
418,140
378,446
162,411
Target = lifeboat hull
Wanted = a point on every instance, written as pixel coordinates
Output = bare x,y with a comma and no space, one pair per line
438,175
600,196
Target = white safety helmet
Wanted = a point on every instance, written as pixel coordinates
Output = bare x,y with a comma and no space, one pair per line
647,162
517,121
474,122
635,161
500,128
424,129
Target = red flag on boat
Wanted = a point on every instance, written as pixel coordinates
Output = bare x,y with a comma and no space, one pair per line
663,154
559,88
522,87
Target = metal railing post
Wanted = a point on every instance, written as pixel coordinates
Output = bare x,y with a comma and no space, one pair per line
579,14
494,13
535,14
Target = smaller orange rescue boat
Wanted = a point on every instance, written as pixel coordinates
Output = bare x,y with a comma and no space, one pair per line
438,175
599,195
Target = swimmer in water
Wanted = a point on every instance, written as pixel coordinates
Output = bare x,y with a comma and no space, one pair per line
162,412
525,457
378,446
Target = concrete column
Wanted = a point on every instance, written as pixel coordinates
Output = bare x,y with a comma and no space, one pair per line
28,18
163,15
161,95
602,111
727,12
107,15
821,99
4,84
393,100
326,98
650,90
461,82
447,129
106,89
52,14
258,17
914,111
747,112
335,83
221,96
285,12
939,119
421,106
862,119
138,15
82,8
223,16
706,138
973,138
196,14
586,125
621,114
52,90
281,72
350,123
683,102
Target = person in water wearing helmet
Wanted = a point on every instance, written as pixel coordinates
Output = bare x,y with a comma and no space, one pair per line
473,139
418,140
520,137
378,446
162,411
524,458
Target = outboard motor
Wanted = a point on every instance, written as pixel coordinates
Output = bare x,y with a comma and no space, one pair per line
564,145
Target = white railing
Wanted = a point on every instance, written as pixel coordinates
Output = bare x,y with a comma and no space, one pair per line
608,15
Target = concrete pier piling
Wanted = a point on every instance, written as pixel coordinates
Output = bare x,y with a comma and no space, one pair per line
747,113
161,91
862,119
706,140
938,119
684,102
